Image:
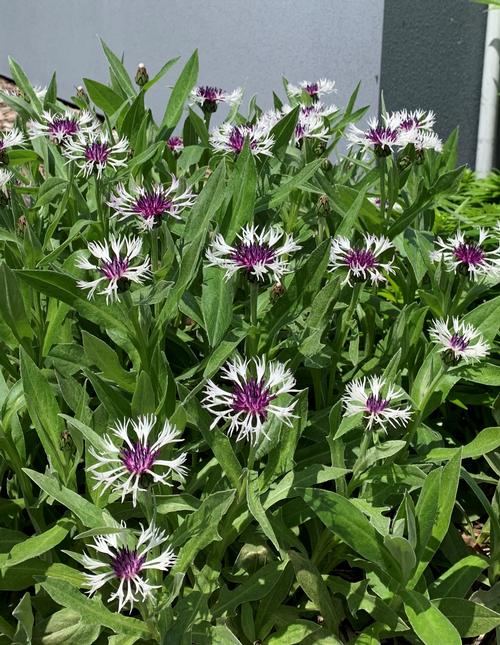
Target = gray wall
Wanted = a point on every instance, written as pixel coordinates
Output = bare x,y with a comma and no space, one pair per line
241,42
433,58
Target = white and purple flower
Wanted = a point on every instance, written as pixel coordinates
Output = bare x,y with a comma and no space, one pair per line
231,138
462,341
257,254
8,140
362,262
127,565
114,263
95,152
314,89
5,177
248,404
382,138
150,206
378,401
62,126
175,144
209,97
468,257
127,466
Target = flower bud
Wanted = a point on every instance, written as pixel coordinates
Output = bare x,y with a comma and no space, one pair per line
323,205
319,147
326,165
141,76
21,224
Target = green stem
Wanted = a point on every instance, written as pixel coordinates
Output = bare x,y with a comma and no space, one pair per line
430,391
253,337
153,242
382,169
100,210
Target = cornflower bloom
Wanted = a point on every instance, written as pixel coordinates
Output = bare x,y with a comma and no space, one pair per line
114,263
366,396
8,140
127,467
150,206
231,138
257,254
468,257
310,126
94,153
5,177
116,560
379,137
248,404
463,341
209,97
175,144
314,89
62,126
362,262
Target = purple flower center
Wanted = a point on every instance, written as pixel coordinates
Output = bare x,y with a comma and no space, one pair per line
138,459
253,398
381,136
1,144
312,89
360,259
408,124
114,269
250,255
152,205
237,138
375,404
97,152
175,143
458,343
63,127
299,131
209,93
127,563
469,254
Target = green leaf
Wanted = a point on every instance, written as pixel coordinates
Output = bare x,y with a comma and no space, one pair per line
283,132
44,412
159,75
180,93
92,609
216,304
38,544
347,522
257,586
200,529
63,287
433,515
65,627
297,181
133,119
50,188
350,218
119,70
243,187
89,515
23,83
311,581
429,623
24,615
458,579
12,306
486,441
470,618
100,353
257,510
103,96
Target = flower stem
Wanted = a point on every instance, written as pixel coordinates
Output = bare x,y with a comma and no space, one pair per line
153,242
100,211
253,338
382,168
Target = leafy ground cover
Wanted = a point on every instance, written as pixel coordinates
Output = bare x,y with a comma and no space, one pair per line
248,387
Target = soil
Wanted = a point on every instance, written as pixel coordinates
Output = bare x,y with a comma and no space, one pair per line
7,115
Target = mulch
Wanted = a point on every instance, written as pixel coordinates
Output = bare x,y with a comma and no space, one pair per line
7,114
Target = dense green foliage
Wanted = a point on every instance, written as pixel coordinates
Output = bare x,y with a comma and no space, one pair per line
323,531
